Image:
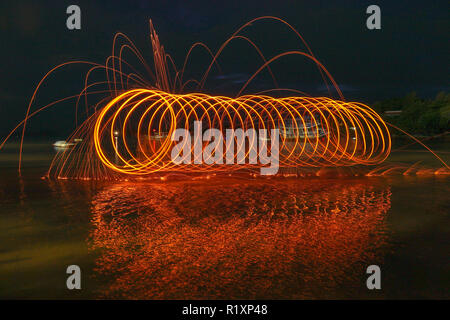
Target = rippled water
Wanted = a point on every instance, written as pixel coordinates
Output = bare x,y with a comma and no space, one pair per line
224,237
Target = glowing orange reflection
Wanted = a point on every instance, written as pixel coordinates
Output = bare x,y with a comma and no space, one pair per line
237,239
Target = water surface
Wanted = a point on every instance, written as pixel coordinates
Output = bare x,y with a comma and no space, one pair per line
223,237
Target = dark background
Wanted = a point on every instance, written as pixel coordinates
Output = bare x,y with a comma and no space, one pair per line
409,53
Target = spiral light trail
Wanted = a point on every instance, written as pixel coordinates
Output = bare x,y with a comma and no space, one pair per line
313,131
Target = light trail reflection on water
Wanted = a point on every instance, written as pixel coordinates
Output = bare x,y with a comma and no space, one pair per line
230,238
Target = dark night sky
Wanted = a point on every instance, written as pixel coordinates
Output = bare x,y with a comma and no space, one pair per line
409,53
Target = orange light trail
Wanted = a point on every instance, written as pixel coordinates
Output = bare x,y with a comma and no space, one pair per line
313,131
